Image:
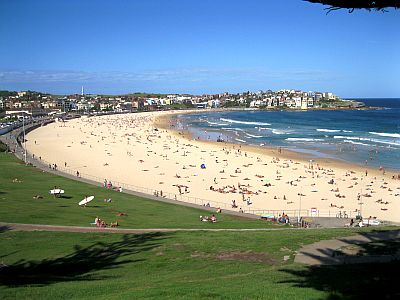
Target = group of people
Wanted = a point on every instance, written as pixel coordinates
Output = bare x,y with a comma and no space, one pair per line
53,167
102,224
284,218
108,185
159,193
212,219
99,222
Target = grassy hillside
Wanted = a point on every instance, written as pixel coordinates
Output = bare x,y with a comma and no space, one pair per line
19,184
184,265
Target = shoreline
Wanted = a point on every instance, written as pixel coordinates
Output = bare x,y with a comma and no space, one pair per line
165,121
136,149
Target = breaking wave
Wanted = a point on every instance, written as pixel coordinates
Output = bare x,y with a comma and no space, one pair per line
244,122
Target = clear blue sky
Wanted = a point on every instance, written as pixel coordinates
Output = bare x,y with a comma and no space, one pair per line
193,46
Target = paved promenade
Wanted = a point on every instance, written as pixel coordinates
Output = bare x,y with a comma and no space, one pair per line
39,227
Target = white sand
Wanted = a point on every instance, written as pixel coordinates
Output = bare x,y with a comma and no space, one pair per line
127,149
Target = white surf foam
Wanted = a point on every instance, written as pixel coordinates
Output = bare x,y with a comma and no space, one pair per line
366,139
356,143
277,131
385,142
332,130
239,140
393,135
254,136
244,122
304,140
327,130
217,124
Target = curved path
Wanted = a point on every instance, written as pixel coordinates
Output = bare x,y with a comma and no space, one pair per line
38,227
326,252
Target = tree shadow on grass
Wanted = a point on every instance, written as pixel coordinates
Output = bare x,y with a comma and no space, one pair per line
356,270
355,281
4,228
80,264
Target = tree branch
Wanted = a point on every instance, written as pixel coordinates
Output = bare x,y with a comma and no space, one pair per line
351,5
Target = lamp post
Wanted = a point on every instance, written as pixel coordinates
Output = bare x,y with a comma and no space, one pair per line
24,142
300,194
361,203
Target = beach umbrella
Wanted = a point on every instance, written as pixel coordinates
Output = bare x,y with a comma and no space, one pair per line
203,166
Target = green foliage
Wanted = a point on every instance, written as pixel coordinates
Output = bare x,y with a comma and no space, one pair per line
7,93
351,5
248,101
147,95
235,103
180,106
3,147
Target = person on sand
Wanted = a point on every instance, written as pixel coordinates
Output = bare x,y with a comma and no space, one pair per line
234,204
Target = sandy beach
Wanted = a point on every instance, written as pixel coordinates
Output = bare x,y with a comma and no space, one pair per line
142,150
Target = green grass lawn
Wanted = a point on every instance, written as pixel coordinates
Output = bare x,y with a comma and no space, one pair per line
20,183
182,265
175,265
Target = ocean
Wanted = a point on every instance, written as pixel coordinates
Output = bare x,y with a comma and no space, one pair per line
370,136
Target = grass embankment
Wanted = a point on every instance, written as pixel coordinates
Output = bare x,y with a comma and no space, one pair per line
180,265
19,184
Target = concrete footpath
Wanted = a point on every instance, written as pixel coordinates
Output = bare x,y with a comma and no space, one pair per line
61,228
331,252
326,252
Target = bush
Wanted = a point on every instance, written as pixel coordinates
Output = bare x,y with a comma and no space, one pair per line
3,147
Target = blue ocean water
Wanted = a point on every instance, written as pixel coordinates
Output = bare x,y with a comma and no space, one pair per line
369,136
